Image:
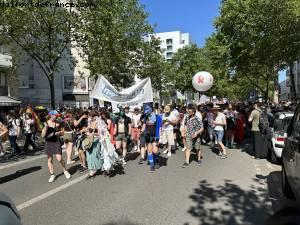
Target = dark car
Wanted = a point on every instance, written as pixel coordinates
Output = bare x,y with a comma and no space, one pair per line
291,158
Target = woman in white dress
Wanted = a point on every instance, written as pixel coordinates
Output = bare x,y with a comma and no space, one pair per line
108,152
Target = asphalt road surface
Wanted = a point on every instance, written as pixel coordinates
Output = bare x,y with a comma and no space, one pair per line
237,190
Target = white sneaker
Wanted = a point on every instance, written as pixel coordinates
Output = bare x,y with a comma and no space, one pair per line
123,161
169,154
2,154
52,178
183,149
166,151
67,174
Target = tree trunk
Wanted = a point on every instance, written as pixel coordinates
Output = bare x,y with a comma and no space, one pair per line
52,93
293,85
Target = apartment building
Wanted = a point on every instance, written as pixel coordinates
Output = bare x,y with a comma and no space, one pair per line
296,72
8,91
170,42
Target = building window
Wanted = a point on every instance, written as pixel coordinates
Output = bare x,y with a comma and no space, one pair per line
169,41
23,81
182,42
169,55
75,84
169,48
2,79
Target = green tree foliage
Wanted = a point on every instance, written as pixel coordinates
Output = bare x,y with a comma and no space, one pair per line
262,37
43,33
112,39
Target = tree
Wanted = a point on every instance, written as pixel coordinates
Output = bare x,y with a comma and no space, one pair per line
43,33
112,40
261,35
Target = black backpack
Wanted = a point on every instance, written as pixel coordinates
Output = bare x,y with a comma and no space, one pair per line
263,123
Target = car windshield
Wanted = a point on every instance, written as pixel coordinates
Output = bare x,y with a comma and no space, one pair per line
286,122
282,124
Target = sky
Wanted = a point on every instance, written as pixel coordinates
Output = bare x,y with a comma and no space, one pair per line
188,16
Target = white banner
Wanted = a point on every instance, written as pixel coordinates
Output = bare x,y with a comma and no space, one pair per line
139,93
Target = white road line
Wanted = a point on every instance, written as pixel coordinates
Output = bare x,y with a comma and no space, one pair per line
24,161
270,166
49,193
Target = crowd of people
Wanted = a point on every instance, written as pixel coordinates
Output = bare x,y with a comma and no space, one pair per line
102,137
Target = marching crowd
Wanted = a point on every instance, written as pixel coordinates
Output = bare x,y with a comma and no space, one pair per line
102,137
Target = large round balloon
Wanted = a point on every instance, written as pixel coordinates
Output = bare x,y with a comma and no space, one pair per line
203,81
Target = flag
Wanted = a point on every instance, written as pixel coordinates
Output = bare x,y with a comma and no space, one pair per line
37,122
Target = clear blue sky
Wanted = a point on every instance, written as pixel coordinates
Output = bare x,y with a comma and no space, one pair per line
192,16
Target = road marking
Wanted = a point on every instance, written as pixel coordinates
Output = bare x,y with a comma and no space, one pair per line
24,161
49,193
270,166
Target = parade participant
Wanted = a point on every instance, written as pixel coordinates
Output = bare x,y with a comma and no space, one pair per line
122,132
159,120
142,138
51,132
81,124
136,129
14,131
92,145
194,128
3,132
68,136
167,130
28,129
150,137
183,116
110,157
219,123
210,129
230,125
240,127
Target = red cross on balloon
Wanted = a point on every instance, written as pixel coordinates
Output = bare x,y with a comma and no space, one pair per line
200,80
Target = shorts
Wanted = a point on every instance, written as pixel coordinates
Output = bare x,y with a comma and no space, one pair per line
143,140
219,134
210,130
167,137
193,143
121,137
135,133
150,139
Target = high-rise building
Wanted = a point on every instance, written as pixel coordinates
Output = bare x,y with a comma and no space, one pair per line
170,42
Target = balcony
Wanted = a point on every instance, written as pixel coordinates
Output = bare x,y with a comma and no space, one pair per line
5,61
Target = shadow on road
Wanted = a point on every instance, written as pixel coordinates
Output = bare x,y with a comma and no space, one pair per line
229,204
19,173
8,159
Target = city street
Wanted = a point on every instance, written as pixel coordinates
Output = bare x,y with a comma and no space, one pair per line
237,190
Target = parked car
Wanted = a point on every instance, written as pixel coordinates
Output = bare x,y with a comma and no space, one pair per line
291,158
278,135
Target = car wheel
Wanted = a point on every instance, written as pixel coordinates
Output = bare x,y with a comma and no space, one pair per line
286,188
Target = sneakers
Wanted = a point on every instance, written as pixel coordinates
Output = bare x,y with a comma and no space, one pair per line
52,178
123,161
183,149
166,151
223,157
141,161
67,174
199,162
169,154
2,154
82,169
152,169
185,165
220,154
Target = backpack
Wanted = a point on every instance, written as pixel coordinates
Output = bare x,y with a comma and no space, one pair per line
263,123
230,123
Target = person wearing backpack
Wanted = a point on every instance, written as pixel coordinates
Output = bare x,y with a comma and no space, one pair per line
259,130
28,130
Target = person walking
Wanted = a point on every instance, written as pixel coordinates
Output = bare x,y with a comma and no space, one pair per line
14,132
52,132
122,131
3,133
230,125
136,129
219,123
167,130
28,129
68,137
194,129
